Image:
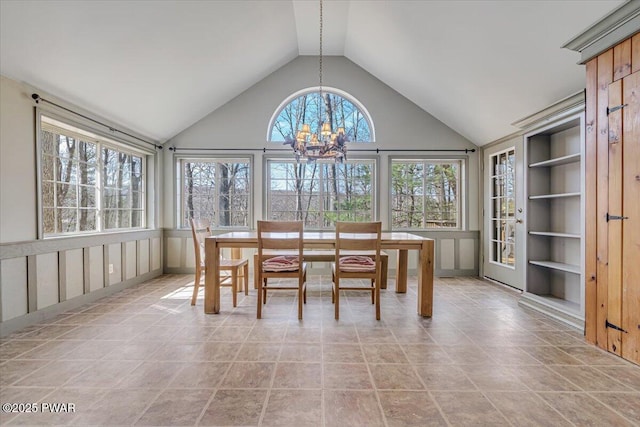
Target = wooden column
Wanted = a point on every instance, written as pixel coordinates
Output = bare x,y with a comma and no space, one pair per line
612,187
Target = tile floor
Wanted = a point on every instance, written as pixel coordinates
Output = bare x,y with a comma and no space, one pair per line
144,356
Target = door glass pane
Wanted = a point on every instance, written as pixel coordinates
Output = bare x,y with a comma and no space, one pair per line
503,199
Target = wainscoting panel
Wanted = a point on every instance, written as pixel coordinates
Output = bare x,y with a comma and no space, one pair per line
468,254
47,290
73,278
43,278
114,263
156,253
447,254
131,260
96,268
143,256
174,251
13,287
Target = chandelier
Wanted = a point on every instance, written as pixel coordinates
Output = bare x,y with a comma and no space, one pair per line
324,143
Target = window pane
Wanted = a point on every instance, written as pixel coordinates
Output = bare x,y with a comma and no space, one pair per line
320,193
110,218
217,190
87,221
67,220
425,194
309,108
70,190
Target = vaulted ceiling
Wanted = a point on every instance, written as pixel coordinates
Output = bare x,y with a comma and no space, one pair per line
157,67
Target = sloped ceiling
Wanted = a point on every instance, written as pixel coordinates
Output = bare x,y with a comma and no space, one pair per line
157,67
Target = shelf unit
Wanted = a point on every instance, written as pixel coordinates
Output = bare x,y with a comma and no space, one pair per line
554,219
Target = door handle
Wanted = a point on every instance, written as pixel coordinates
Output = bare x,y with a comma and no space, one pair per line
518,221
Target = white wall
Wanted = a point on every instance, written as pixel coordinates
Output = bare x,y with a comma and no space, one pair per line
41,277
399,124
17,163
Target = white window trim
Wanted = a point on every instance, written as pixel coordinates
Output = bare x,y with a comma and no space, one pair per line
463,191
375,183
359,105
104,140
178,160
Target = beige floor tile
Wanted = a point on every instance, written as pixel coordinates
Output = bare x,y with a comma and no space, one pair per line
293,408
353,408
298,375
384,353
249,375
217,351
102,374
551,355
493,378
626,404
200,375
469,409
15,348
444,378
13,370
259,352
332,333
583,410
176,408
55,374
426,353
117,407
346,376
541,378
628,375
150,375
234,408
76,401
146,355
303,335
345,353
409,409
589,378
301,352
395,377
526,409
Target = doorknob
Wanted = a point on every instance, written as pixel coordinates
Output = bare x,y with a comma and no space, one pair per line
518,221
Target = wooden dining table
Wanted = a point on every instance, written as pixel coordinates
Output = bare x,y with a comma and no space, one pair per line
402,242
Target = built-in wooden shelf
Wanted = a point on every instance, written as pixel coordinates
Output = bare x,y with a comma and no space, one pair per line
554,196
569,268
571,158
554,234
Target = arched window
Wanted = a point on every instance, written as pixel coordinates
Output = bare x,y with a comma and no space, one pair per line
307,107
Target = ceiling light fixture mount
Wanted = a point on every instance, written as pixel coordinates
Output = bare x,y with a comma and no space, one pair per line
323,142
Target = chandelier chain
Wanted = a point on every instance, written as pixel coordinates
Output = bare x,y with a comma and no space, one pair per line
320,60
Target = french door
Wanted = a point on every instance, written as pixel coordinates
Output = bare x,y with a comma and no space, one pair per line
503,242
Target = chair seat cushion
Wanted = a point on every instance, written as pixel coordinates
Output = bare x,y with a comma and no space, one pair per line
357,263
281,263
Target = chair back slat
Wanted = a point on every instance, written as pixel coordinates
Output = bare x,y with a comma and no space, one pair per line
280,235
358,236
200,228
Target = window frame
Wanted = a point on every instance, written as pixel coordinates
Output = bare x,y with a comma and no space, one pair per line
327,89
178,162
463,216
102,140
375,182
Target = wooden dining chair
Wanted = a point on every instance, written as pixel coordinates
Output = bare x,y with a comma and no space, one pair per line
357,257
231,270
280,256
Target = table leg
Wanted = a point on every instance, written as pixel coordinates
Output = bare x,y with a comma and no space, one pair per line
401,271
425,279
212,276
